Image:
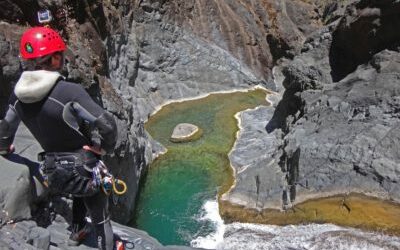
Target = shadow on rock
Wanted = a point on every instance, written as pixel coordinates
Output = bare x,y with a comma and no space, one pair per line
287,107
369,27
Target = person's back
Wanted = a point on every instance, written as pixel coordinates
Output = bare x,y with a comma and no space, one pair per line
54,120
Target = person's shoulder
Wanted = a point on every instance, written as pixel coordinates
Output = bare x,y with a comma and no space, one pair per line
66,91
67,84
67,87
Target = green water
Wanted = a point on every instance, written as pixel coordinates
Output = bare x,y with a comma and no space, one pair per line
179,182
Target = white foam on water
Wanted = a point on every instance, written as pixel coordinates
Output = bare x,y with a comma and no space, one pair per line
242,236
211,214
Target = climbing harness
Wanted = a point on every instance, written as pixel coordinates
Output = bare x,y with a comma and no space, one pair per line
57,167
108,183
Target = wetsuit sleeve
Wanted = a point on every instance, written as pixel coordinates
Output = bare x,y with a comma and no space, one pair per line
8,128
86,109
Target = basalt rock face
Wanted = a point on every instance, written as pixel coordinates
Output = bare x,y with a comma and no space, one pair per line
257,33
332,137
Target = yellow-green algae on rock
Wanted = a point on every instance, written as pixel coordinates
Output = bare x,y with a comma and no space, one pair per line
354,210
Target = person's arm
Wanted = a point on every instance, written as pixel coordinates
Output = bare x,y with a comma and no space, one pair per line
85,108
8,128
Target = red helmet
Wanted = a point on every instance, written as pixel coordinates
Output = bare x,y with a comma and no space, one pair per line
40,41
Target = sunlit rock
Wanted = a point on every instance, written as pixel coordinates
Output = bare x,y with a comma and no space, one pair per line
184,132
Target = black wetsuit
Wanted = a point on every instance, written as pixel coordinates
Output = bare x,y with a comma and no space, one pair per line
62,122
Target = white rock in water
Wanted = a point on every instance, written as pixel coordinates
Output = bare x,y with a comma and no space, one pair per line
184,132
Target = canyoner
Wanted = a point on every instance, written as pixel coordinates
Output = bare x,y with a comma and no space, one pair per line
72,129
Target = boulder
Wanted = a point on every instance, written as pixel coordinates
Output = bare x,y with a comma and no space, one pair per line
184,132
21,180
